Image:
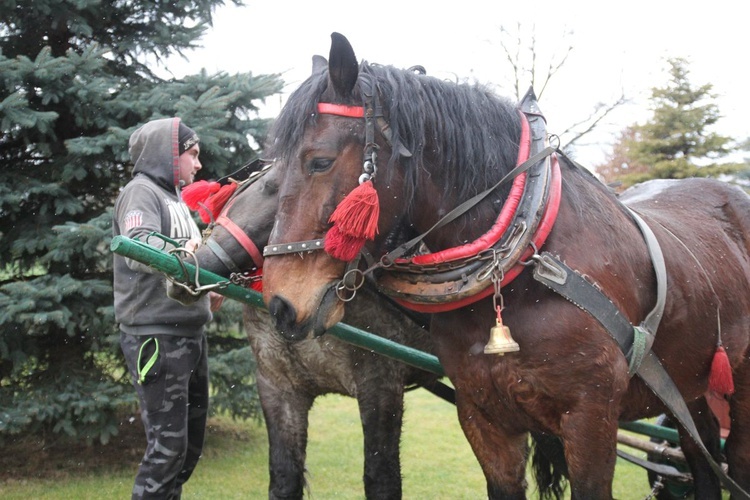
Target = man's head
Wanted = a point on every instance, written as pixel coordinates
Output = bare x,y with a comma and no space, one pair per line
167,151
189,149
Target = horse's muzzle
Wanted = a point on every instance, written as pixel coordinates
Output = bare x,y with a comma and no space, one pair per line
285,315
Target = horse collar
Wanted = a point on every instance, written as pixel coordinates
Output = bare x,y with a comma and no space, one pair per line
456,277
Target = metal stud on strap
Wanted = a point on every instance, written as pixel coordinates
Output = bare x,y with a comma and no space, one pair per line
297,247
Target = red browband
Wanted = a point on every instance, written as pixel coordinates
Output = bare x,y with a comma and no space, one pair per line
341,110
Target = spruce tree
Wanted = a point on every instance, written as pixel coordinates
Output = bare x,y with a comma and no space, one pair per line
678,141
74,84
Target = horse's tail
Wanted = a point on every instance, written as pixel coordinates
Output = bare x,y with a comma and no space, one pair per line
550,468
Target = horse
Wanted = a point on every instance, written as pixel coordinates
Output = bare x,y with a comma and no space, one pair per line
366,150
291,376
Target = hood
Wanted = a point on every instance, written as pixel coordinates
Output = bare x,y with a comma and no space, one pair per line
154,151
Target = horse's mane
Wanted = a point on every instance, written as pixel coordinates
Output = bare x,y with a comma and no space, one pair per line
463,135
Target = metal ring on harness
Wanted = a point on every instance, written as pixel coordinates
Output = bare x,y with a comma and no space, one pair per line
352,281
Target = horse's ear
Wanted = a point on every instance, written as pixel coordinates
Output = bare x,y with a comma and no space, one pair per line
319,64
342,66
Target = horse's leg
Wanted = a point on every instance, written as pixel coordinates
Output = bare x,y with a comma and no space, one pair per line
502,455
589,436
737,447
380,396
705,482
286,415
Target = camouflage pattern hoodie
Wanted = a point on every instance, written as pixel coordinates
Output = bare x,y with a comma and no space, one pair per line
151,202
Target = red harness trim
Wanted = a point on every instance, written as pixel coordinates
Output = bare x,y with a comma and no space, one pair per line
542,231
242,239
341,110
503,220
239,235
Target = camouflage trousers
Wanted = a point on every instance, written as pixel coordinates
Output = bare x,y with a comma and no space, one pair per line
170,375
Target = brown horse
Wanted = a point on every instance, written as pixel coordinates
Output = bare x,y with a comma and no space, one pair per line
438,144
291,376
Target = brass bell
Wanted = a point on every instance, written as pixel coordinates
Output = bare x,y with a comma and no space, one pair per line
500,340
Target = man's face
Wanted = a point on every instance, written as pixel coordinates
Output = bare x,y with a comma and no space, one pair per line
190,164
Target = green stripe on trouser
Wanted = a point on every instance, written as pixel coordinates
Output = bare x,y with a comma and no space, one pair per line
143,369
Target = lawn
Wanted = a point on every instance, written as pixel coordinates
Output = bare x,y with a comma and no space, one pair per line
437,462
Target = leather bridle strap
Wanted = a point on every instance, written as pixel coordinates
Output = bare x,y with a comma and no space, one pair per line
223,256
242,239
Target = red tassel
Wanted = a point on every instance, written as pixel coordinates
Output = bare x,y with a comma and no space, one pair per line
342,246
357,214
198,192
720,378
212,206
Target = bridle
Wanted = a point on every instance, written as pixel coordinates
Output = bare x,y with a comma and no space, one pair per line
372,113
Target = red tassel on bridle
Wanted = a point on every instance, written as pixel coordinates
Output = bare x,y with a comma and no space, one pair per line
215,203
720,378
355,221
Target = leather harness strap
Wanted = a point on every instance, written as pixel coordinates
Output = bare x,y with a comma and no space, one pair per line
223,256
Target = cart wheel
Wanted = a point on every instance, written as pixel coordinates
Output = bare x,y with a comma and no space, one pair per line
671,490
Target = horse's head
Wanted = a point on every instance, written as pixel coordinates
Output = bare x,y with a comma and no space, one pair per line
239,232
322,140
422,144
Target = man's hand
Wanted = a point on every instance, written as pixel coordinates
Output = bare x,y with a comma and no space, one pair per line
215,299
192,245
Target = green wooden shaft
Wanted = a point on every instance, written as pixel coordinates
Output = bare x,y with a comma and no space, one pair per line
655,431
169,264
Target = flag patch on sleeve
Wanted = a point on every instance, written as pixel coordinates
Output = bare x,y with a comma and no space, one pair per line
132,219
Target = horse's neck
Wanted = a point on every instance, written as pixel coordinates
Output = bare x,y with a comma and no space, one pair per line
432,206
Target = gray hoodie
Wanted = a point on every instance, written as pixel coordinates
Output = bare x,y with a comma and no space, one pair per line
151,203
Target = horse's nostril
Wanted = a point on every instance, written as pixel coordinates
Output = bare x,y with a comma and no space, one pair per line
286,317
282,311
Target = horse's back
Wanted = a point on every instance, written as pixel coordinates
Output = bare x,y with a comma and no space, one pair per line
694,206
703,228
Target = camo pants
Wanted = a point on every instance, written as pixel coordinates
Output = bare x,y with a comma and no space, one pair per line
170,375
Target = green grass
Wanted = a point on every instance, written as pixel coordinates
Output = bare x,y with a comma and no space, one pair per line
437,462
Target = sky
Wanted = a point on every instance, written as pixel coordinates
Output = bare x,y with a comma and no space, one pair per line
617,49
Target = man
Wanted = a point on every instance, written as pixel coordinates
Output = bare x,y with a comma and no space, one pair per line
164,342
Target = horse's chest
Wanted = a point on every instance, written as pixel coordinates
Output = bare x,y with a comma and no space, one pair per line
316,366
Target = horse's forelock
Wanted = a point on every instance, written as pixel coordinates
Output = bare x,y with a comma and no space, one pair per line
298,113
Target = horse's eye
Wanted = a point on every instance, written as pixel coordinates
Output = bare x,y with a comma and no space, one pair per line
319,165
